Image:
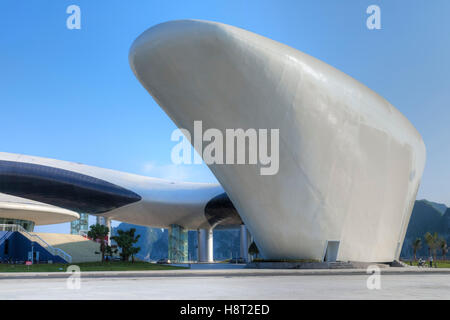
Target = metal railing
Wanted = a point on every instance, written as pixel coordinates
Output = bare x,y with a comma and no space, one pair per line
35,238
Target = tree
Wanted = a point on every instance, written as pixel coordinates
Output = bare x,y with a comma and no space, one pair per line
111,251
99,233
253,249
416,245
125,241
443,247
433,243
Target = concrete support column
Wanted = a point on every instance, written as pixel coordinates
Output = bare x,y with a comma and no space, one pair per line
108,224
104,221
249,242
201,256
100,220
246,240
209,245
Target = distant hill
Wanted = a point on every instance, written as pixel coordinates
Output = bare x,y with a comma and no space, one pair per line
438,206
426,217
151,241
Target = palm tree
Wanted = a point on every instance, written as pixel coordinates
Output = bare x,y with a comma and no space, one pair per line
432,242
443,247
416,245
97,233
125,241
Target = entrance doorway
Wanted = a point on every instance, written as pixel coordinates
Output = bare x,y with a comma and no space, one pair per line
331,252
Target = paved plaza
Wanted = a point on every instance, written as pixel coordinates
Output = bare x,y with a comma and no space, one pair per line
232,284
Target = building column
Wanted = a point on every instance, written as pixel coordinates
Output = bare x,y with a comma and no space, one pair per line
205,245
108,224
209,245
245,242
80,226
249,242
201,240
178,243
104,221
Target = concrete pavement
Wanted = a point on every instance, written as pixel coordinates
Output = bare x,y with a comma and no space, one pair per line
313,286
238,272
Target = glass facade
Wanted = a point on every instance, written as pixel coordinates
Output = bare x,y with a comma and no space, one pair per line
80,226
178,243
26,224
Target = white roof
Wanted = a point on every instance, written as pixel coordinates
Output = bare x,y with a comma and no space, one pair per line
40,213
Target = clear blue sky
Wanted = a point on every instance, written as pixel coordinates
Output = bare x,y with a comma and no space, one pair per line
70,94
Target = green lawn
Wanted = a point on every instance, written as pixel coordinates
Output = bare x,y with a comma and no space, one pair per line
440,264
286,260
87,266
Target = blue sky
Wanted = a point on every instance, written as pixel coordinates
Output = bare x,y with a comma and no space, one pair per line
71,95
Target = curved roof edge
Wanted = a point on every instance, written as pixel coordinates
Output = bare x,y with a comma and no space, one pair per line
40,213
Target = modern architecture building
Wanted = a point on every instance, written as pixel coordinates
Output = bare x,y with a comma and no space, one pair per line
349,167
110,194
18,242
27,213
80,226
350,163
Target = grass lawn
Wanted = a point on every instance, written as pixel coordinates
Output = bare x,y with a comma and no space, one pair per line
440,264
286,260
87,266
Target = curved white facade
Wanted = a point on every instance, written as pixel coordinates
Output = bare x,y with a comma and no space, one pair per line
40,213
161,203
350,163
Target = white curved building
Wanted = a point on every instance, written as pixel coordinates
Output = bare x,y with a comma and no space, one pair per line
350,163
349,168
113,194
28,213
135,199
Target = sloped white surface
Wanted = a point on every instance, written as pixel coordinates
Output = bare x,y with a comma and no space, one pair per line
350,163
